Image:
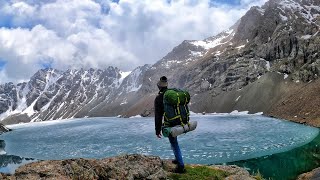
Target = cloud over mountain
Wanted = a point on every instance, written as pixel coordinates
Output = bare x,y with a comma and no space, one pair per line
94,33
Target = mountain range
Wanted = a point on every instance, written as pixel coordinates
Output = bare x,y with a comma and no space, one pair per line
268,61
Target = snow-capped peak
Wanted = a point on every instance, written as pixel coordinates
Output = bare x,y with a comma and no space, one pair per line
123,75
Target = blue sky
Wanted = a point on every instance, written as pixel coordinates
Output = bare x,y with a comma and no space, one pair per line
98,33
231,2
2,64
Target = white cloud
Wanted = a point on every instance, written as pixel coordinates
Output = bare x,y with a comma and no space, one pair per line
252,2
21,13
96,33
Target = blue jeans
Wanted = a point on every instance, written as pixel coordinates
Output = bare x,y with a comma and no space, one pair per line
176,150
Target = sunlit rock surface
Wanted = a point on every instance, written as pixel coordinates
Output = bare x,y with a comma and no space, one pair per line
121,167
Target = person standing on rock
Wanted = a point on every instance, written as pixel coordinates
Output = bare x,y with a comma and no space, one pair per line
158,111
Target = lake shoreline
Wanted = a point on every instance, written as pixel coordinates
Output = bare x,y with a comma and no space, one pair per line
300,120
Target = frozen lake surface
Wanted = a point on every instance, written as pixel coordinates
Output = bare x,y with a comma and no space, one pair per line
217,139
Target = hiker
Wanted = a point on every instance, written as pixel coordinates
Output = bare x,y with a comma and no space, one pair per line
159,110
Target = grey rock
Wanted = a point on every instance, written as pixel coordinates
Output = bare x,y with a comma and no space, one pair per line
312,175
16,119
237,173
122,167
3,128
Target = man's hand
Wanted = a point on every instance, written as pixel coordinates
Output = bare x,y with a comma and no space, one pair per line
159,135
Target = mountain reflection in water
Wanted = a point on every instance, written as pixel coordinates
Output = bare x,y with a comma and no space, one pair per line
8,163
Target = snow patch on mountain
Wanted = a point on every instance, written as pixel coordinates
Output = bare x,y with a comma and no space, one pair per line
51,78
240,47
123,75
283,18
168,64
196,53
219,40
124,102
21,93
22,97
132,81
237,99
268,65
306,36
290,4
304,10
261,10
29,110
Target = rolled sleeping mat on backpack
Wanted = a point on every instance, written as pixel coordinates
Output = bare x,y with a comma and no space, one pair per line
178,130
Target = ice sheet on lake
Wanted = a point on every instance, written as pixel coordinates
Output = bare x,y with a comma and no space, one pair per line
218,138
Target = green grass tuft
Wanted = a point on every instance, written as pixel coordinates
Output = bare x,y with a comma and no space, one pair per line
258,176
200,172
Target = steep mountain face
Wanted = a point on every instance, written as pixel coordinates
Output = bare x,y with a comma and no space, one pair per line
271,49
289,38
52,94
183,57
73,91
282,37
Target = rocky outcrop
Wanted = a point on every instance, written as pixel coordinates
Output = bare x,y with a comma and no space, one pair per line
16,119
8,97
236,173
3,128
122,167
312,175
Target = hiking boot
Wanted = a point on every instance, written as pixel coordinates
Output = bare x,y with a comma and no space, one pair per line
174,161
180,170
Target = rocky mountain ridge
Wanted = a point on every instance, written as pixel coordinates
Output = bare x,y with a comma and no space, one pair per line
281,37
53,94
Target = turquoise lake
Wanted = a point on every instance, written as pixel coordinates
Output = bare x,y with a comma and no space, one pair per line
218,139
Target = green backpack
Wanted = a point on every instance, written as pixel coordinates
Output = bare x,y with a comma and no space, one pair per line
176,111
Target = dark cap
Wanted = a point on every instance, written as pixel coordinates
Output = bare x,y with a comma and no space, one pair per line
163,82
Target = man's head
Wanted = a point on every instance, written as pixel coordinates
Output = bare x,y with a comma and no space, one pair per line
163,82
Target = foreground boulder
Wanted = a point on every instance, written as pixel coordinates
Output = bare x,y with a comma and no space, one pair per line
312,175
121,167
